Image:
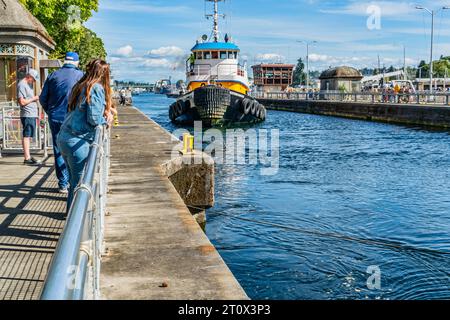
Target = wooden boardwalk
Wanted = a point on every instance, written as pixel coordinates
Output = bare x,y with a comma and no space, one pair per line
32,215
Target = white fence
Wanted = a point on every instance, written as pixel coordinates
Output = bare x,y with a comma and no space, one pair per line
11,131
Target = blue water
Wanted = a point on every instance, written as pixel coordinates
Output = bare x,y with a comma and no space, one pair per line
349,195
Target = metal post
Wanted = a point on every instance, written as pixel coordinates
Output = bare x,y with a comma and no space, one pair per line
405,77
433,13
431,58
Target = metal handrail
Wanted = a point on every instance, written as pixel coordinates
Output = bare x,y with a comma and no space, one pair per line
437,98
75,269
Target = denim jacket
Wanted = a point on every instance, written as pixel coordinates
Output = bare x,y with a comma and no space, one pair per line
82,121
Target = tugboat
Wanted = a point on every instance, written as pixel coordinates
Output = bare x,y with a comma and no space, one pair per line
217,84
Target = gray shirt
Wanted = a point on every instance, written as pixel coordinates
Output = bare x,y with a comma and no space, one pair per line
25,91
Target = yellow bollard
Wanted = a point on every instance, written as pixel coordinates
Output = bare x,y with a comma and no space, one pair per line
188,143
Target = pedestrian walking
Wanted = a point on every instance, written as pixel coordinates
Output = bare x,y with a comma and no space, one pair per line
54,100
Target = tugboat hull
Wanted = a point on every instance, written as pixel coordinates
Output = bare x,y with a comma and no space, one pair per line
216,106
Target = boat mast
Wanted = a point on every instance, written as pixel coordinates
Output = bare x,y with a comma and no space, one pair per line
215,17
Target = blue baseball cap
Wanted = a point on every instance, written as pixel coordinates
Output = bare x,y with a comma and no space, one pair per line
72,56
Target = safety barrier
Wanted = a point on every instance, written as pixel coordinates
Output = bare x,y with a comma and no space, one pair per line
11,131
440,98
74,273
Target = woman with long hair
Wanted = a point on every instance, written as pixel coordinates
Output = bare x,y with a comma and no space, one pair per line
89,106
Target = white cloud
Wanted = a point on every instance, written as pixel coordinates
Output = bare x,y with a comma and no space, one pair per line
388,8
157,63
171,51
125,51
270,57
314,57
133,6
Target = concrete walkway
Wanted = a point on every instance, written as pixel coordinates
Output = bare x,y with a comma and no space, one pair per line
156,248
32,216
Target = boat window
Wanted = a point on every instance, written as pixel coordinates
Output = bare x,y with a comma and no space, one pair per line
215,54
223,54
199,55
230,55
207,55
235,55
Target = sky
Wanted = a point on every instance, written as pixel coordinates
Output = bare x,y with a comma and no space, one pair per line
147,40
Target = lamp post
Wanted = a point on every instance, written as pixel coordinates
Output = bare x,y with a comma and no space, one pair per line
307,60
433,13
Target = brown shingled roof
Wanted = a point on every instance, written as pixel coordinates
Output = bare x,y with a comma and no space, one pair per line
14,16
342,73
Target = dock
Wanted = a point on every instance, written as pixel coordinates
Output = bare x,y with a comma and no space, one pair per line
32,216
155,248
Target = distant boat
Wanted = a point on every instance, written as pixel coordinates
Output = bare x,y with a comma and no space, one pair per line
163,86
217,84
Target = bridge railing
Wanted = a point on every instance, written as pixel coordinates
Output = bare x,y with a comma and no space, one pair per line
74,273
440,98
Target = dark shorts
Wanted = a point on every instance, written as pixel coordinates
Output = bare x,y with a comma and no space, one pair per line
29,127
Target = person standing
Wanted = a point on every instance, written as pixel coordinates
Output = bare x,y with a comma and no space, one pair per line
89,106
28,113
54,100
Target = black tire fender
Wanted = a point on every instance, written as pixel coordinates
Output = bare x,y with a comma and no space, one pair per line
258,111
179,108
247,106
263,113
254,108
172,113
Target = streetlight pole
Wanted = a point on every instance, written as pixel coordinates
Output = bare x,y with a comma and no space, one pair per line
405,76
433,13
307,60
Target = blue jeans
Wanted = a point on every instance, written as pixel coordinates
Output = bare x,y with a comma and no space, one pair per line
60,166
75,152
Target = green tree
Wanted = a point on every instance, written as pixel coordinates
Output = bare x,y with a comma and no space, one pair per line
299,73
423,70
391,69
89,47
63,20
440,67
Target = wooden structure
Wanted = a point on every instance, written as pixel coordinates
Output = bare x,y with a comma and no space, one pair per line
273,77
24,43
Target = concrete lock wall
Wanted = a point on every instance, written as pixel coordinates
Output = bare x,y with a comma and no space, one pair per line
193,177
437,116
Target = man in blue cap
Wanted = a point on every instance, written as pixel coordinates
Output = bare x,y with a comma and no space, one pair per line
54,99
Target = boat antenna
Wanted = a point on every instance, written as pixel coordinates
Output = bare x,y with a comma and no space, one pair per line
215,17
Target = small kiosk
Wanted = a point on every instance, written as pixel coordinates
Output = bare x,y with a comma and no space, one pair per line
24,44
